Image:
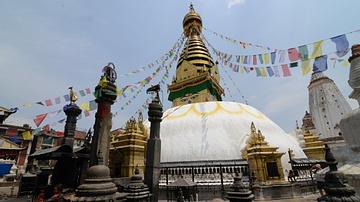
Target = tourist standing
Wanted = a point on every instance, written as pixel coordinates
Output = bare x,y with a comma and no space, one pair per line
320,182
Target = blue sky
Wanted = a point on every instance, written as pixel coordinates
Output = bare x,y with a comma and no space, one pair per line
47,46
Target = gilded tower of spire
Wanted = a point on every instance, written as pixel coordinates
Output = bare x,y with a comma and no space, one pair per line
197,76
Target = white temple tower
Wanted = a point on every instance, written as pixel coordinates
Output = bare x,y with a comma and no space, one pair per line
327,106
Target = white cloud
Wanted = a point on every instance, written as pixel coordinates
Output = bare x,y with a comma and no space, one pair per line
235,2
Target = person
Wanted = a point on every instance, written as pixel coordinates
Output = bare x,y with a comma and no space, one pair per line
320,182
58,196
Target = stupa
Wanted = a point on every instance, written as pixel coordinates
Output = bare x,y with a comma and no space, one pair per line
327,106
202,136
350,126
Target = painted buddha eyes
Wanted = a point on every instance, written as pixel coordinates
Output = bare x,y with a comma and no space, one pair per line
189,99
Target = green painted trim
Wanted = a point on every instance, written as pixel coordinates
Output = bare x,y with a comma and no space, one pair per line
193,89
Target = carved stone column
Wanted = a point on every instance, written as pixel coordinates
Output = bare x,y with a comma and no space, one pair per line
105,93
152,170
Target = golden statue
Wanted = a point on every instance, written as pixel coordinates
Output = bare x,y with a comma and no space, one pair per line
73,96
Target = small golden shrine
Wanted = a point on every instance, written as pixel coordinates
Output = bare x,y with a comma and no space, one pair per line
314,148
128,148
264,161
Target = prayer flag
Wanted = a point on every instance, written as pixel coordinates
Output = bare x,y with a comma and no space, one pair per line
254,60
317,49
320,64
48,102
82,93
15,139
282,56
286,70
88,91
270,71
62,120
342,45
86,113
305,67
26,105
263,71
261,59
103,82
273,57
85,106
304,53
266,58
92,104
39,119
40,103
293,64
276,71
294,55
54,113
57,100
67,97
258,72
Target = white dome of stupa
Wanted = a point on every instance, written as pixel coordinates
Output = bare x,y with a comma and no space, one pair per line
218,131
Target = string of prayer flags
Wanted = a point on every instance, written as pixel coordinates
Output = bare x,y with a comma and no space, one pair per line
243,44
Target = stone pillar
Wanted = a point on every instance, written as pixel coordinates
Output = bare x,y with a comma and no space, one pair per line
105,93
337,187
152,169
72,111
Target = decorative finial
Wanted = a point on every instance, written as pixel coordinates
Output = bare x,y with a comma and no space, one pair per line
253,129
154,89
109,72
73,96
191,7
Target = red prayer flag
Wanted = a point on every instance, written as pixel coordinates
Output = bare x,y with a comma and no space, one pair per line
39,119
48,102
87,91
286,70
294,54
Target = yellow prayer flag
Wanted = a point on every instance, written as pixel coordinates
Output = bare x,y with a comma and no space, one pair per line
242,69
85,106
263,71
103,82
266,58
346,63
27,135
26,105
317,49
305,67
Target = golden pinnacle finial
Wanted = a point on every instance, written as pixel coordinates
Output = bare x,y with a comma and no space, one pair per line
253,129
73,96
191,7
